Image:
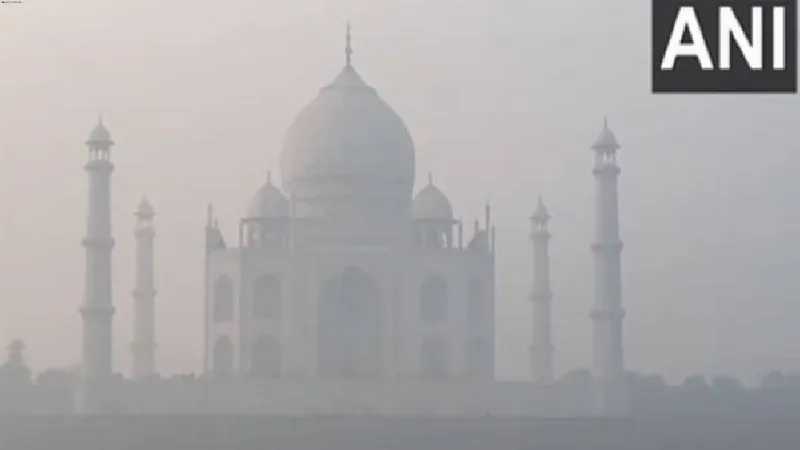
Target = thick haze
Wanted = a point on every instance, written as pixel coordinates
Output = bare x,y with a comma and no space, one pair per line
503,99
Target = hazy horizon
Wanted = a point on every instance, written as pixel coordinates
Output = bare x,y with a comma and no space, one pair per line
503,99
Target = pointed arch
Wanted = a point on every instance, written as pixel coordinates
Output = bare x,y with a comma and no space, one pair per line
433,295
223,299
434,358
477,358
223,357
267,358
267,297
350,326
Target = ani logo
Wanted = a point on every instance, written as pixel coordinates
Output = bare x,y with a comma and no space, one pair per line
724,46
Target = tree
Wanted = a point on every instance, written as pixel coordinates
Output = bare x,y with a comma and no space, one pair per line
695,383
726,384
773,380
650,383
15,372
56,388
15,380
56,379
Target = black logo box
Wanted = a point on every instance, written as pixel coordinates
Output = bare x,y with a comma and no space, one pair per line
687,76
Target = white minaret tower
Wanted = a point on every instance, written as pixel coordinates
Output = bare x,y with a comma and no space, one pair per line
607,314
144,346
98,308
541,351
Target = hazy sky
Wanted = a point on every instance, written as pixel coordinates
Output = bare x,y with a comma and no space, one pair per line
503,99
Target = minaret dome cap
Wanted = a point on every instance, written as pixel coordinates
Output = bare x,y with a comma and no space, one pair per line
541,213
145,209
606,141
100,133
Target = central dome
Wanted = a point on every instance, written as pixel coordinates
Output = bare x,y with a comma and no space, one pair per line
348,142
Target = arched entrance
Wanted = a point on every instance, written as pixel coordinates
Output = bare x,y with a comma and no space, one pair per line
434,358
350,328
477,357
267,356
223,357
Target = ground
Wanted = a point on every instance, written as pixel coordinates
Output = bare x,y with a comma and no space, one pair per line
234,433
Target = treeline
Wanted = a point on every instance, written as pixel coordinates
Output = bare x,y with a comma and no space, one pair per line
52,391
649,395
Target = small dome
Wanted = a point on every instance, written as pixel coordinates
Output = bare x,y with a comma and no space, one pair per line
100,133
606,140
541,213
431,203
145,208
269,202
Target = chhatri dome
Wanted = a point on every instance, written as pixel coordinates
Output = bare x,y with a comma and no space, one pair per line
100,133
431,203
145,209
606,141
541,214
268,203
348,147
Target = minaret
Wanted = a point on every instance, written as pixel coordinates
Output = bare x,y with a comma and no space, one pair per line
541,351
143,346
98,308
607,314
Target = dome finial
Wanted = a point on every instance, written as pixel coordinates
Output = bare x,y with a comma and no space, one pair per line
605,121
430,177
100,118
348,50
269,177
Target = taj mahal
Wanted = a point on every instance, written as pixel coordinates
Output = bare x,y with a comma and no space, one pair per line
344,291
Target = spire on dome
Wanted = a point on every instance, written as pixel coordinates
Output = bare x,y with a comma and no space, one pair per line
100,133
348,77
606,142
430,178
348,50
269,177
